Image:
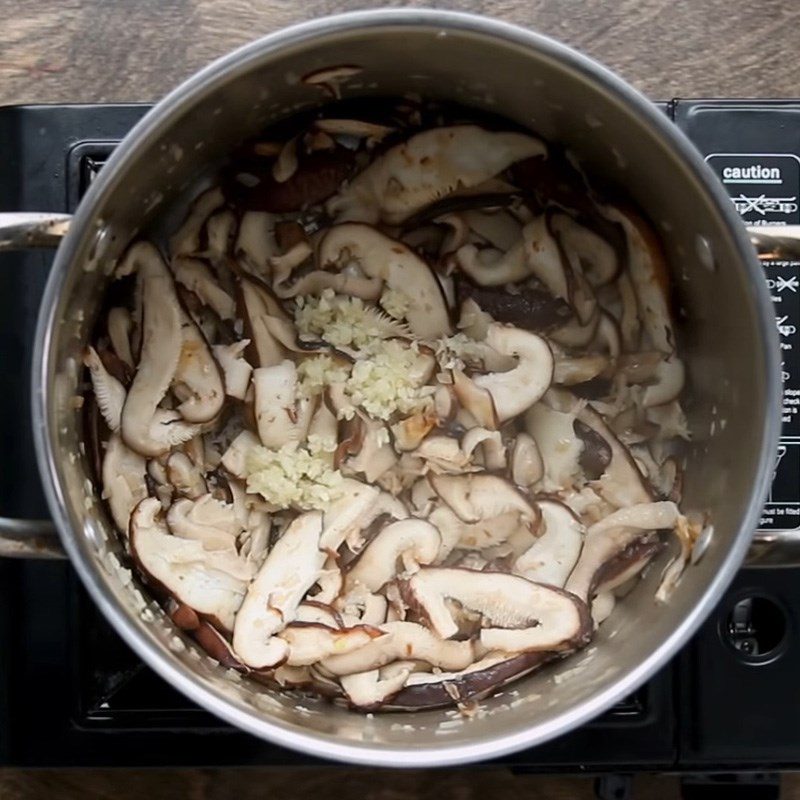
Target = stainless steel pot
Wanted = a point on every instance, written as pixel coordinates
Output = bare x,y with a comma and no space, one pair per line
728,337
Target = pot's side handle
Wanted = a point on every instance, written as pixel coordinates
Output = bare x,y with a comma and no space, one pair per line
775,548
23,538
776,241
37,538
23,230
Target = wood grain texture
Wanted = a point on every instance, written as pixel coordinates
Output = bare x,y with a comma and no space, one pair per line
98,51
301,784
304,783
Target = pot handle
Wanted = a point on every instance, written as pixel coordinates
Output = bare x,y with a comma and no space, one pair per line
36,538
776,241
24,230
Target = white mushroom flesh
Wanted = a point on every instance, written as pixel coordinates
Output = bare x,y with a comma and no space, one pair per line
207,520
477,497
518,389
275,404
197,277
212,583
235,367
312,642
403,640
398,267
146,428
186,239
197,381
108,391
414,541
289,571
508,604
120,325
185,476
427,167
124,485
552,557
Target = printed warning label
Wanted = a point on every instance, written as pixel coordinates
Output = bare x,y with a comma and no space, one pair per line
764,187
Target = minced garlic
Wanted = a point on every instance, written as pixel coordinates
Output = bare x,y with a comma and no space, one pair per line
395,303
297,477
343,321
388,381
385,379
314,374
453,351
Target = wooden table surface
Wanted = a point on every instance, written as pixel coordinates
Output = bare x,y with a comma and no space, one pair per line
96,50
100,51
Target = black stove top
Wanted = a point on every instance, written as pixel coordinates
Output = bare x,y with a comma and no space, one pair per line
71,693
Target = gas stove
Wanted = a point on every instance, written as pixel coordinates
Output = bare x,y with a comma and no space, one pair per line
72,693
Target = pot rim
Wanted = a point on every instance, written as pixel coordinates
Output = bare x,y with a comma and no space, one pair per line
253,721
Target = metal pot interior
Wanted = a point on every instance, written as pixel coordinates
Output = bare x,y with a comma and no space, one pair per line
724,334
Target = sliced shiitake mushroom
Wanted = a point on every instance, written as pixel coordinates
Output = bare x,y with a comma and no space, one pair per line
554,554
235,367
328,78
145,427
560,447
120,325
477,400
318,176
371,454
621,483
480,496
667,384
531,615
289,571
213,583
234,459
356,506
515,391
480,679
527,465
395,265
476,536
197,380
599,259
196,277
185,475
256,241
414,541
206,520
427,167
649,275
123,477
367,691
108,391
528,308
310,642
609,537
407,640
217,646
187,239
275,404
